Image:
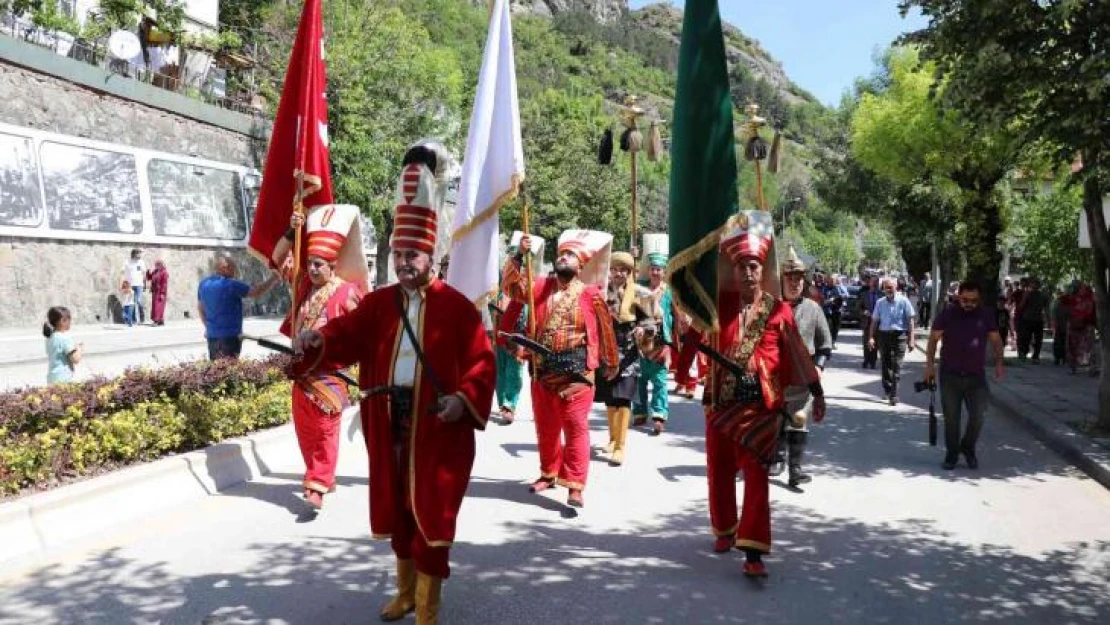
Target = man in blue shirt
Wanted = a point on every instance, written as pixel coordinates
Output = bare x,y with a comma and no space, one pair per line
892,326
220,304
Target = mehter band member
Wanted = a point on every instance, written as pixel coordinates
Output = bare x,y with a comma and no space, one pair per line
574,325
427,368
332,290
744,412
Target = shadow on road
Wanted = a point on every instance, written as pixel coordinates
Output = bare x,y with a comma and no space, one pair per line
824,570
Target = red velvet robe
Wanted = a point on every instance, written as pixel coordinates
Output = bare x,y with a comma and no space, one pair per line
441,455
780,359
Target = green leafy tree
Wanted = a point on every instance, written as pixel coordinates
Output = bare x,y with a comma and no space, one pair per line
566,188
915,214
904,134
388,86
1046,234
1046,65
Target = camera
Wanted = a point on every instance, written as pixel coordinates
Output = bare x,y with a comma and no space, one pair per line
924,386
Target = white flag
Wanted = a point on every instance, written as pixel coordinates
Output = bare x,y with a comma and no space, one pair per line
492,168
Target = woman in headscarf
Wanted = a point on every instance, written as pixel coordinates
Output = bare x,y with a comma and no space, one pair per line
159,279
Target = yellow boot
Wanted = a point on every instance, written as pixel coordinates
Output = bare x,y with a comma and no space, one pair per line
611,415
427,599
624,415
405,601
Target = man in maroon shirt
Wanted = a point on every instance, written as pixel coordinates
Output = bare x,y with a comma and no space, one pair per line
965,328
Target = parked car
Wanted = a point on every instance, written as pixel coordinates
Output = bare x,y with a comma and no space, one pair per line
849,310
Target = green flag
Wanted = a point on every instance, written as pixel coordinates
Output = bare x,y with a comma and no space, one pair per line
703,163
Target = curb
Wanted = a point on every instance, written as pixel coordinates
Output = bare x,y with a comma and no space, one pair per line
1087,456
198,343
33,527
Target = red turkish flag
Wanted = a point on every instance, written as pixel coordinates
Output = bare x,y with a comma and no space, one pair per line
299,140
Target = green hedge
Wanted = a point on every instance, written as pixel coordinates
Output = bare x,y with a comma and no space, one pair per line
53,434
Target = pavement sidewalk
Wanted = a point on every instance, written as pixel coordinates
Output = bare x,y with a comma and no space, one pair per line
25,345
1059,408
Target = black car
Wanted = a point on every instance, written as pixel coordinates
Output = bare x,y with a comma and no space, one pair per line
849,310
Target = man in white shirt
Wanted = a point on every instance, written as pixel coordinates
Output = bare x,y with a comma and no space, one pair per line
134,272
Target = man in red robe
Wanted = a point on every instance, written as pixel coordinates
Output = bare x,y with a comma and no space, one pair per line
332,290
428,385
573,321
688,340
744,413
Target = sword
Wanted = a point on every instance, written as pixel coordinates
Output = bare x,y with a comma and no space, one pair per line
717,357
285,349
538,348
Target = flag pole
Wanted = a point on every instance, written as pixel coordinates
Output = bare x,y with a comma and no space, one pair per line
298,210
528,277
755,149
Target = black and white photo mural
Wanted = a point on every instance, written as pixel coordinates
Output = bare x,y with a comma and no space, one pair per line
195,201
20,198
90,189
62,187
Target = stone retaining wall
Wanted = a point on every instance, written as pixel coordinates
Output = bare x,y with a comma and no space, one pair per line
84,275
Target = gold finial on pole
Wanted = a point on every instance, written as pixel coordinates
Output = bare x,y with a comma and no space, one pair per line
755,149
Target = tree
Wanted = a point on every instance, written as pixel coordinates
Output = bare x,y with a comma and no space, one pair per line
1044,64
1046,233
915,213
388,86
904,135
566,187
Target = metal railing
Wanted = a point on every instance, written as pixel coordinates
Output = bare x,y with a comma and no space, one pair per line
192,73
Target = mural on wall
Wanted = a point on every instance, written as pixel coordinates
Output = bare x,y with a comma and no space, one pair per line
195,201
61,187
90,189
20,199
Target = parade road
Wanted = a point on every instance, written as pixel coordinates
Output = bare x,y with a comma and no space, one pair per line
882,535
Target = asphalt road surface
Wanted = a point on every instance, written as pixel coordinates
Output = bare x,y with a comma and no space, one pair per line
882,535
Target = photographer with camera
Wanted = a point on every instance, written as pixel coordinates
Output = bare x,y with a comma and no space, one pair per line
965,329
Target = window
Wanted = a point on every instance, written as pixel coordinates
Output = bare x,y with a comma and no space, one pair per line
20,199
196,201
90,189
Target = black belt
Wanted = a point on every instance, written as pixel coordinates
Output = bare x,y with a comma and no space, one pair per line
401,400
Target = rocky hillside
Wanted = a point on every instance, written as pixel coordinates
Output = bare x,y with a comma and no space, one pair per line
745,56
666,19
602,10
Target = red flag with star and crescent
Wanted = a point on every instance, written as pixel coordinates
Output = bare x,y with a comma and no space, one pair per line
297,163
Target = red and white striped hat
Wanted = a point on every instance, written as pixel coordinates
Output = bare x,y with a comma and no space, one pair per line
748,236
415,220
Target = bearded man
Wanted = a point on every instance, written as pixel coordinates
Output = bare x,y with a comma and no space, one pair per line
573,323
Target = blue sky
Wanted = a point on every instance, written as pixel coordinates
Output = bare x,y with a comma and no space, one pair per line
822,44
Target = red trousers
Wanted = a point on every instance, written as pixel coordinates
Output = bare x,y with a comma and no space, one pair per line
724,458
318,438
409,544
557,418
686,358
